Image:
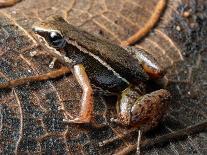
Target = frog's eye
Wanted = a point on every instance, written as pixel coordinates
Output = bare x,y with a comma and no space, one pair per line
56,40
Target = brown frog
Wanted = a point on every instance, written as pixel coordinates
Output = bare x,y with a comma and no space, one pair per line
99,65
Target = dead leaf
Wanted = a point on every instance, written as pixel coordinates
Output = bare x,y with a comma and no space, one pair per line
31,115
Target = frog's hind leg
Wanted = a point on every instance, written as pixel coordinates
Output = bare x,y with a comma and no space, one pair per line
87,96
142,111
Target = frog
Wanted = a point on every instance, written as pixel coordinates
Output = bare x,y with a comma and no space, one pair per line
101,66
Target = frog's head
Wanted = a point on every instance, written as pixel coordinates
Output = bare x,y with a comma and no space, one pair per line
52,31
50,34
53,38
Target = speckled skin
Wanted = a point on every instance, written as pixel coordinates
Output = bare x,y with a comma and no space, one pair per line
142,110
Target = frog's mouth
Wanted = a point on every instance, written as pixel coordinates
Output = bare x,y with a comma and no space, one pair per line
43,37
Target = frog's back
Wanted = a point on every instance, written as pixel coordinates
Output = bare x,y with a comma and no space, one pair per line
115,56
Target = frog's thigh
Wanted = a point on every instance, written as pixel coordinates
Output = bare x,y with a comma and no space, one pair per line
144,111
148,110
87,96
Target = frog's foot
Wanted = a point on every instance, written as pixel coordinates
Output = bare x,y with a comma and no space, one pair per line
86,108
159,8
52,63
6,3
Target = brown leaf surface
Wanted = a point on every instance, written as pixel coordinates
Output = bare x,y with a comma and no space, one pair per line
31,115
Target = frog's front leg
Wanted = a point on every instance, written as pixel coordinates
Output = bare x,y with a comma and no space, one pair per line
87,96
143,111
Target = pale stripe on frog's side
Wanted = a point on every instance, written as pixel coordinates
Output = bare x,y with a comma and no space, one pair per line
99,60
74,43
